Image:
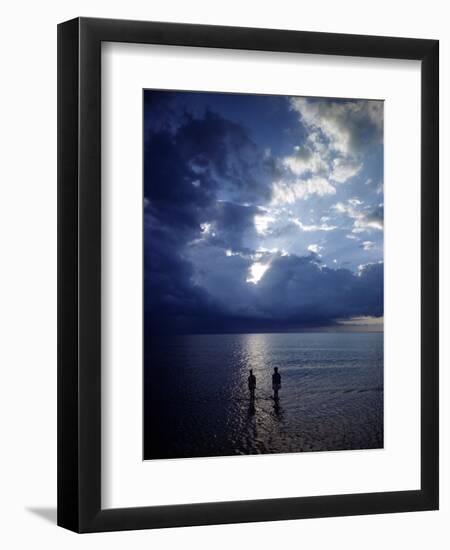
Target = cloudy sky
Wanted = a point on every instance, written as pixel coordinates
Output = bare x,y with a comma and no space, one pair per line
262,213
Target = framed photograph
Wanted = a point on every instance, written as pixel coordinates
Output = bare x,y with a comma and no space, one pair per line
248,275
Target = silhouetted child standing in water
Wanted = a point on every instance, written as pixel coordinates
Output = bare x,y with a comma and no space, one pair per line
276,383
252,384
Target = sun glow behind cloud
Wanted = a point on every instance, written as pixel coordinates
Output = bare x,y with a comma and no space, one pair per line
262,223
257,271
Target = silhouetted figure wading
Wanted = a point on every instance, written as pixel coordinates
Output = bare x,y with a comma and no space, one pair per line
276,383
252,384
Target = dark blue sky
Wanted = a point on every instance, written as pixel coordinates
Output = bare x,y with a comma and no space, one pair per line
262,212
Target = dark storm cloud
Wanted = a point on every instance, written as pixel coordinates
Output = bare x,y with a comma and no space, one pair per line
300,290
170,295
225,159
231,222
170,197
159,112
297,290
185,173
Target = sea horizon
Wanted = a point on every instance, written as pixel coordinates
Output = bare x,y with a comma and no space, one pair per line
303,331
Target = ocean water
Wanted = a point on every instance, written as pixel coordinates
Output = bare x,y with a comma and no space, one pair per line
197,403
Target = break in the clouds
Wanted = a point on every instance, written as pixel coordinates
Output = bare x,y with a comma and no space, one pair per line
262,212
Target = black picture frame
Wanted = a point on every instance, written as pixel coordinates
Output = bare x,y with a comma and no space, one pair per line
79,274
